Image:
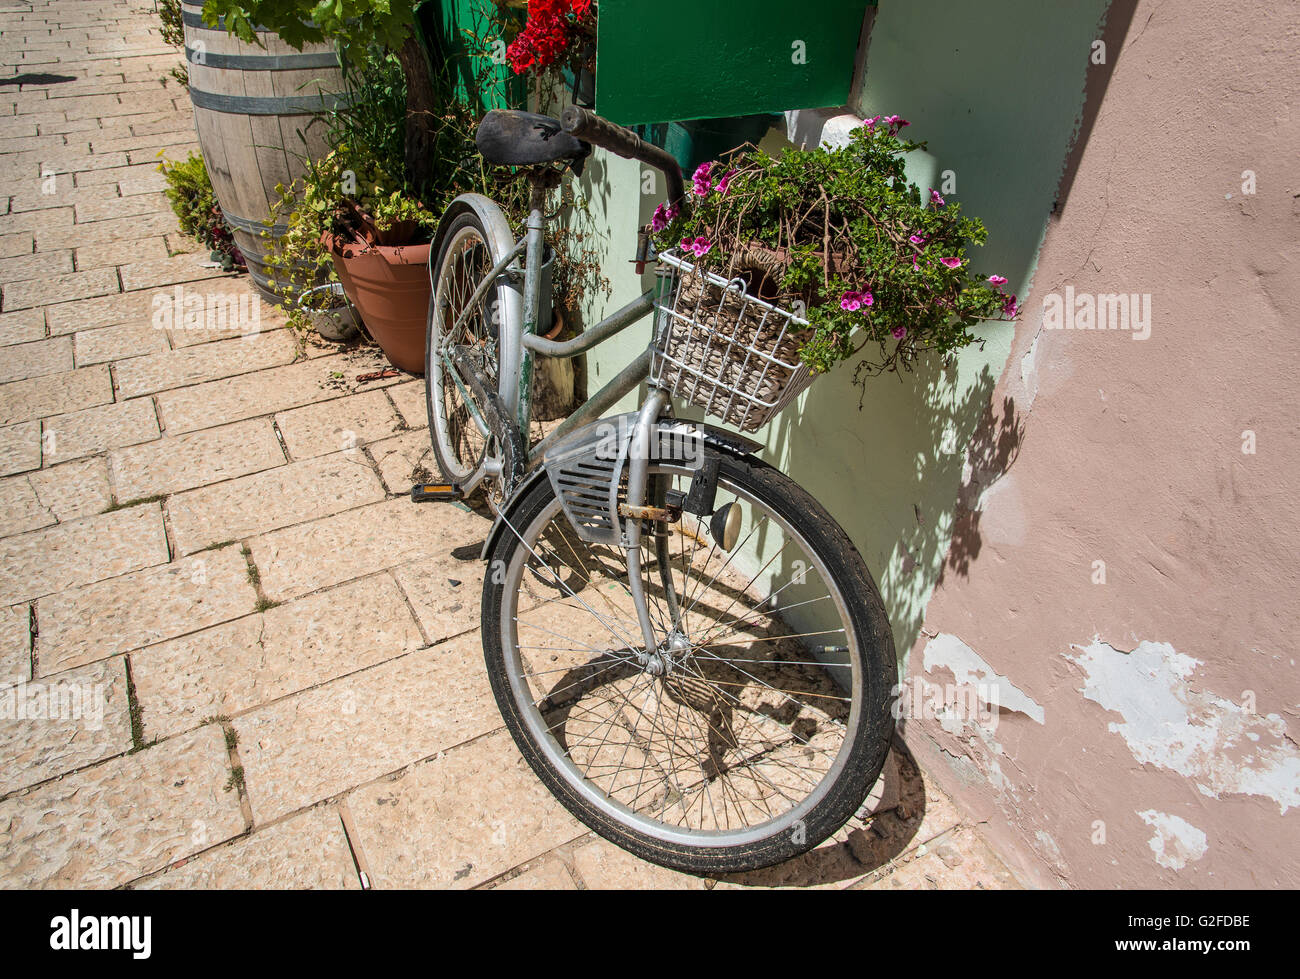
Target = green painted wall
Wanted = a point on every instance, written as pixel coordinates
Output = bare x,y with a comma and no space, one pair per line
996,88
682,59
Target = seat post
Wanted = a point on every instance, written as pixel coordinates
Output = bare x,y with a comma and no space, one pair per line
540,180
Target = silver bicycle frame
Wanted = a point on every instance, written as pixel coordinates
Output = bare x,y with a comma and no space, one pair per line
515,352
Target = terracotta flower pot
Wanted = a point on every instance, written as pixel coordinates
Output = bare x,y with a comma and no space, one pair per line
389,285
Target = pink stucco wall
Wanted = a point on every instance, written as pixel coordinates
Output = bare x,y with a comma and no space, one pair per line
1148,734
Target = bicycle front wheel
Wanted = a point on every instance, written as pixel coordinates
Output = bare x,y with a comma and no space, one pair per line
763,719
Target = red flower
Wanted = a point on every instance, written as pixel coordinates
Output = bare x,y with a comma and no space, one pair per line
550,31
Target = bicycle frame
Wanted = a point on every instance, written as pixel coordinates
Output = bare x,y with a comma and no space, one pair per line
518,347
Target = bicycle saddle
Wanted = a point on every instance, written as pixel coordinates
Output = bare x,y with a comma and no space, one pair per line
515,138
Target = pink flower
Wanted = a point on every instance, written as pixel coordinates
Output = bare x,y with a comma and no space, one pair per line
699,247
870,124
701,182
725,183
952,263
917,239
854,301
1009,307
896,122
663,216
915,265
899,332
936,199
997,280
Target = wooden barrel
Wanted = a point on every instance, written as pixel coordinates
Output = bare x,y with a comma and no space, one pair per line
255,112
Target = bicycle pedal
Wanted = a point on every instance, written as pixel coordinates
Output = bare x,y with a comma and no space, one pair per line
436,493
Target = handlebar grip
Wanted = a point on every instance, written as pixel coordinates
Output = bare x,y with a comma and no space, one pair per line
589,127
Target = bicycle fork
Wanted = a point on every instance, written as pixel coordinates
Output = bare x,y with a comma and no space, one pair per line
636,510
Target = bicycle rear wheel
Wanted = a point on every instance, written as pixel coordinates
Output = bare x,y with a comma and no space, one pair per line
461,441
762,720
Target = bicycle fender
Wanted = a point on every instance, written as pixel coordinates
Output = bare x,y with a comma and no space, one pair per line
596,454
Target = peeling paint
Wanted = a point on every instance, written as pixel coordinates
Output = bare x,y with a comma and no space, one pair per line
1221,746
1176,841
968,667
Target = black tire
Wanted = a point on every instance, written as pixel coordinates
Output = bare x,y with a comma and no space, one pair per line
868,745
452,438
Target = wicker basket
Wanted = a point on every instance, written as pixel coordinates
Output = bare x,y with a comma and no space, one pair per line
724,350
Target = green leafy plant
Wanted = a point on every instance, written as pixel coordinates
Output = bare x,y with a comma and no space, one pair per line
173,27
845,234
190,192
173,33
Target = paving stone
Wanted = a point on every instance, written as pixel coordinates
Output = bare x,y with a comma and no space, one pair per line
404,460
14,246
35,266
123,819
235,311
120,207
89,314
926,868
244,664
81,625
81,551
20,448
547,874
320,742
298,560
24,360
166,271
118,343
104,234
143,184
332,426
61,193
60,288
269,500
113,175
309,851
110,254
174,463
22,326
446,590
410,401
606,867
15,644
54,394
48,496
459,819
93,430
50,727
263,392
205,362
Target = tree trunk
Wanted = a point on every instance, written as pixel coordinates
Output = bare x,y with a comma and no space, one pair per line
421,111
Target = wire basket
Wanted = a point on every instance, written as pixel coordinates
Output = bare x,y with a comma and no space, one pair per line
724,350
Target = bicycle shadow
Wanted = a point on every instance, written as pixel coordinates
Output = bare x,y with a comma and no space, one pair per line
866,843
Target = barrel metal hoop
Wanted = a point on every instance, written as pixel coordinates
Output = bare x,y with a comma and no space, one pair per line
269,105
253,227
263,62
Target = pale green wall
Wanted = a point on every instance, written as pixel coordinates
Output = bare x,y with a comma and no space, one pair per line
996,89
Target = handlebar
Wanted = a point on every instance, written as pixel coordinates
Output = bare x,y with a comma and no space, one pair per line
591,128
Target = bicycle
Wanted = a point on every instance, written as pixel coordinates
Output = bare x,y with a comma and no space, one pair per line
647,685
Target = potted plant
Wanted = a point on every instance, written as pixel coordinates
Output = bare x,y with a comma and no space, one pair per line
330,313
841,238
381,253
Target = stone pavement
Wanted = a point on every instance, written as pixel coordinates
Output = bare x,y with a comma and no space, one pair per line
203,533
